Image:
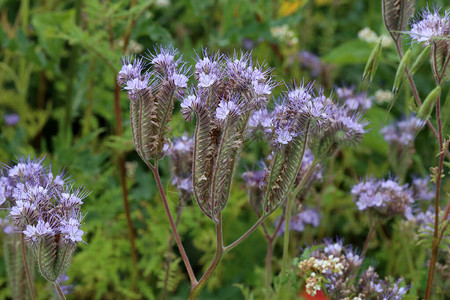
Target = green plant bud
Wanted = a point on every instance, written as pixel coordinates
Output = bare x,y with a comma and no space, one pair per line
372,63
427,106
424,54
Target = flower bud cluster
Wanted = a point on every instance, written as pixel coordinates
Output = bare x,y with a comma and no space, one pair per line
46,209
385,197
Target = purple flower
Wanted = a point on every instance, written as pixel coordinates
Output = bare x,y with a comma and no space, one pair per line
421,189
72,233
403,132
131,69
179,80
225,109
385,196
354,101
11,119
283,136
164,61
184,184
137,84
300,220
253,179
33,233
312,62
431,26
207,80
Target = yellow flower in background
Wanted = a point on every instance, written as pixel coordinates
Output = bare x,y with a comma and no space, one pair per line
288,8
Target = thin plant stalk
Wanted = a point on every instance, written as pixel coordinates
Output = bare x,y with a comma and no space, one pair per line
270,244
184,256
27,269
220,251
368,238
59,290
246,234
169,255
291,198
436,240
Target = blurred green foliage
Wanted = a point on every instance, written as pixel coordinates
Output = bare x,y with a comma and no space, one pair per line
58,65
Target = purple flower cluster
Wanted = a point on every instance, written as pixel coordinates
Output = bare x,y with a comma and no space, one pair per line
41,205
135,79
352,100
239,85
386,197
337,264
46,209
430,26
403,132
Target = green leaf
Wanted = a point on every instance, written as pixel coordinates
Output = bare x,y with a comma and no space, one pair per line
352,52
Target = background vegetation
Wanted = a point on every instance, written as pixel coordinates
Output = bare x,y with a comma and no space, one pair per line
59,61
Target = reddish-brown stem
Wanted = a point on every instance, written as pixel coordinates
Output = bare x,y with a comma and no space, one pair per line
220,251
368,238
27,269
169,256
172,223
435,244
59,290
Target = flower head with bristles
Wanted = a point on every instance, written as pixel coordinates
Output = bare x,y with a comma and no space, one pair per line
46,209
431,26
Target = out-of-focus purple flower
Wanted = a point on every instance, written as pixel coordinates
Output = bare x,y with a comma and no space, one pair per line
311,61
300,220
184,184
385,196
253,179
66,288
421,189
403,132
354,101
431,26
11,119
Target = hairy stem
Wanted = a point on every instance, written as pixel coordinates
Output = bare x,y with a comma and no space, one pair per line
59,290
27,269
172,223
220,251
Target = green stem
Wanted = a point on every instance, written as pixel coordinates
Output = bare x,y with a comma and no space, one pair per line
269,268
220,251
59,290
27,269
284,266
245,235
